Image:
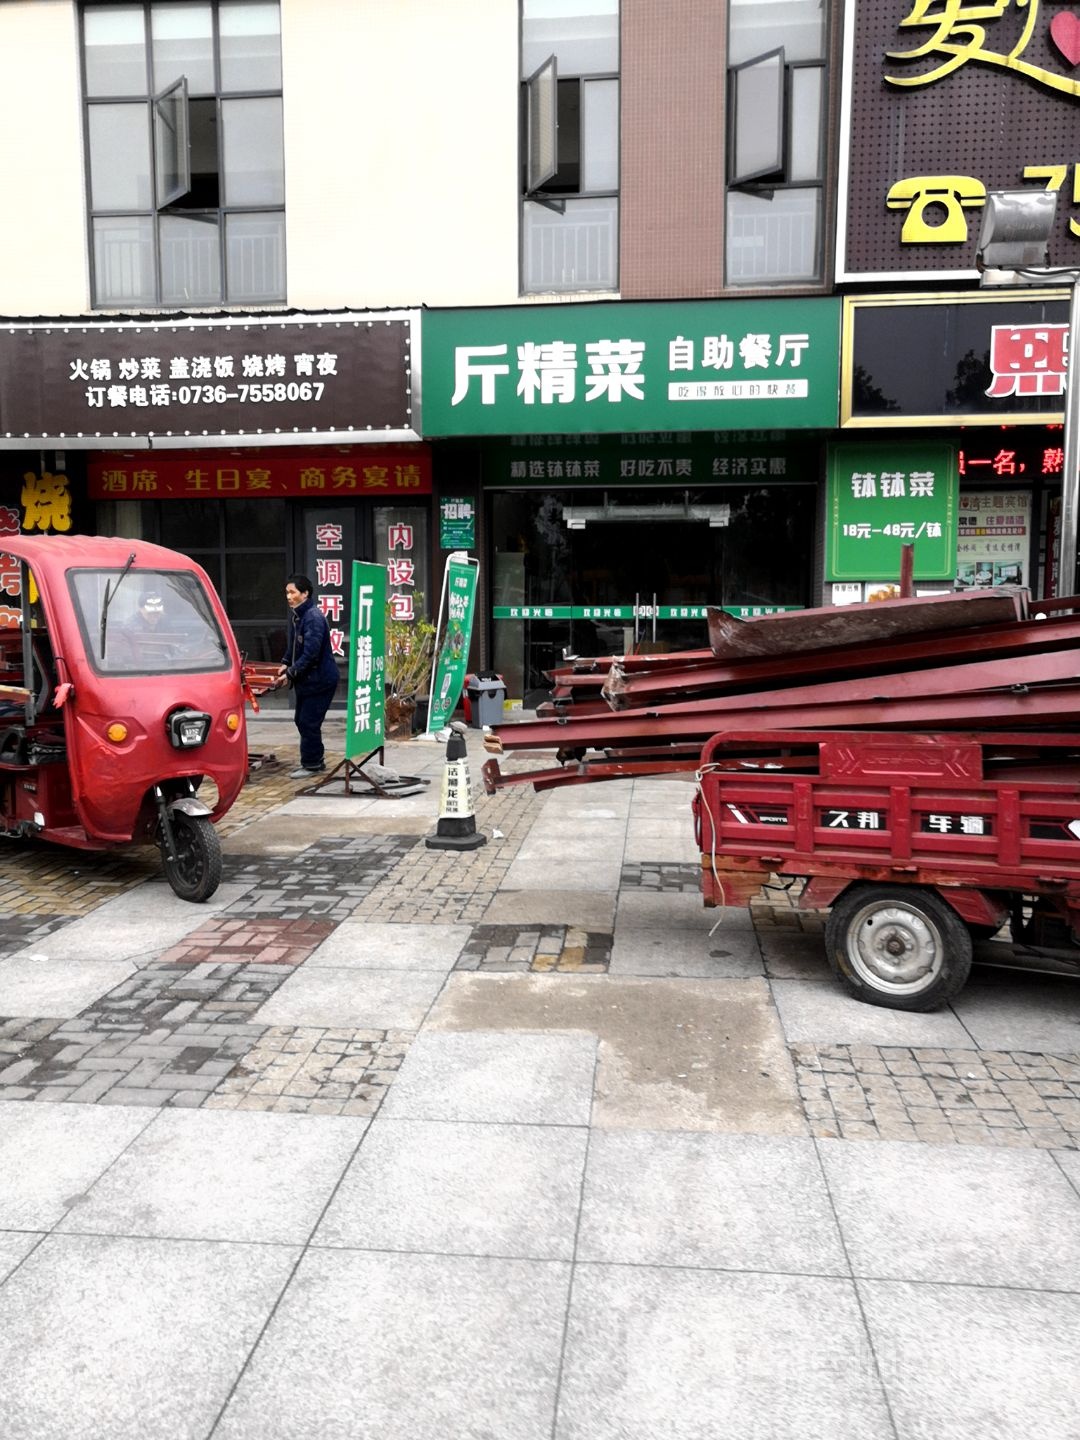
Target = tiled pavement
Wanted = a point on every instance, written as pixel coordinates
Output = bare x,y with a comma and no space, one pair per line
625,1201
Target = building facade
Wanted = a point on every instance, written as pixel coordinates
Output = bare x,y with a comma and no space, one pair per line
639,310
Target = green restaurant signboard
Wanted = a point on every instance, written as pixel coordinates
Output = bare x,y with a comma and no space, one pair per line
459,606
643,366
883,496
367,660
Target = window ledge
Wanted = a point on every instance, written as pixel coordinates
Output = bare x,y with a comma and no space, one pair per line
567,297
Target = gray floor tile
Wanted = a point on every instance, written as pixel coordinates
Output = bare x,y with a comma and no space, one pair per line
503,1190
352,999
221,1175
495,1077
421,1347
50,1154
15,1245
975,1364
111,1339
686,954
598,873
793,955
692,1355
676,910
367,945
1021,1012
959,1214
824,1012
54,986
670,845
738,1202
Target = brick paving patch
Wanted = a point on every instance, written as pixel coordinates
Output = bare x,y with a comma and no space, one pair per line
258,942
17,932
536,948
328,879
451,886
314,1071
39,880
657,875
972,1097
166,1036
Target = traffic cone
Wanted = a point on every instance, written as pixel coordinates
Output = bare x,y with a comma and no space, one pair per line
456,829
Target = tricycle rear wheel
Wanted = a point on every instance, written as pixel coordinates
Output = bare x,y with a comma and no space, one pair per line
195,873
898,945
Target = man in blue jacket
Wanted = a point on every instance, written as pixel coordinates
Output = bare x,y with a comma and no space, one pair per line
309,667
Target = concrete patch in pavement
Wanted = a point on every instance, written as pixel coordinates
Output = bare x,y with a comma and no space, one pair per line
583,909
686,954
674,1054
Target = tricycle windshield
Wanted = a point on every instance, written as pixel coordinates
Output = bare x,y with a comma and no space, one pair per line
147,622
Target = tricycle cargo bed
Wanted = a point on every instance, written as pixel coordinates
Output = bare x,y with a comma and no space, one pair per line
997,812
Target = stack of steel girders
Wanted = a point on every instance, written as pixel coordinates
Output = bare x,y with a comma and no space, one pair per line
985,660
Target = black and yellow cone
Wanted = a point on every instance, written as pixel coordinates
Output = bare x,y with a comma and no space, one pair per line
456,829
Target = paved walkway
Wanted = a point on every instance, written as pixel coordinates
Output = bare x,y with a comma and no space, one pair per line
389,1142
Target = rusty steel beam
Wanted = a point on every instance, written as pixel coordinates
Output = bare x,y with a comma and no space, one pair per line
1028,636
583,772
977,680
1031,706
796,631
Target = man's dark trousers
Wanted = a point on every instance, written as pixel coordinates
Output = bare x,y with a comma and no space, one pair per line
311,708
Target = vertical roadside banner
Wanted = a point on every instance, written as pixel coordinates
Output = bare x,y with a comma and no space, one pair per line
458,603
367,661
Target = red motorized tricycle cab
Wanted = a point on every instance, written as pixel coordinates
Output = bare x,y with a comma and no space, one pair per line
134,698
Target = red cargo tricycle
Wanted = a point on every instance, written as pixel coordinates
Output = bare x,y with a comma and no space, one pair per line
121,692
916,843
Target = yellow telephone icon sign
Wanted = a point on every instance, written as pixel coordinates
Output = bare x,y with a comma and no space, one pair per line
953,193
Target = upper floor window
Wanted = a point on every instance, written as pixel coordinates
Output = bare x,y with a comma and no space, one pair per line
570,145
776,134
186,178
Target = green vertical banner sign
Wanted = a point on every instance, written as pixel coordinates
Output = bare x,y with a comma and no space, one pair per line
367,660
459,604
882,496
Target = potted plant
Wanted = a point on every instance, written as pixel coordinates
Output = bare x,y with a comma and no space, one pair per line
410,646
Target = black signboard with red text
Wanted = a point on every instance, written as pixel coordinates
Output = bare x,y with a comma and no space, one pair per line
990,358
202,382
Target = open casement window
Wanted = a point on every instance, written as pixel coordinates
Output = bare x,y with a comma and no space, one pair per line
172,144
757,121
542,132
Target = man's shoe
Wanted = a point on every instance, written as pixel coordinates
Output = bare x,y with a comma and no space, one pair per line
304,774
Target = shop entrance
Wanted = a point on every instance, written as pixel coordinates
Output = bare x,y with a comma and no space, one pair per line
640,558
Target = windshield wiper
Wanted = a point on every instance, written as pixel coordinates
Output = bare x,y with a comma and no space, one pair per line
110,592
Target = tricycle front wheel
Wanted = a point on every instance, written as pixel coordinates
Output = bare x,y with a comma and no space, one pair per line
898,945
195,873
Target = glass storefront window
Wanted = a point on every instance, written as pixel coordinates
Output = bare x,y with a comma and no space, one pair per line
644,551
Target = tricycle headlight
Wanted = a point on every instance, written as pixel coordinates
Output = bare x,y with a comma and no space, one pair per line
188,728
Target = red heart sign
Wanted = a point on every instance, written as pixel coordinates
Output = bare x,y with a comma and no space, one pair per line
1065,33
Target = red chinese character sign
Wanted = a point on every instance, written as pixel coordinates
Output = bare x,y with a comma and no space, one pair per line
10,581
364,472
365,724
